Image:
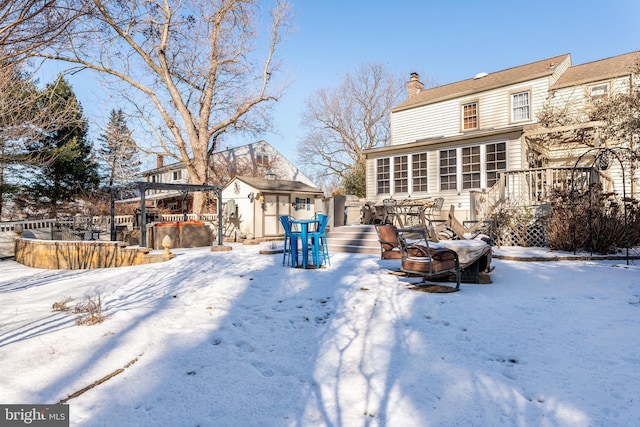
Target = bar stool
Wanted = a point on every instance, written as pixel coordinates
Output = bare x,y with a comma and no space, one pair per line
290,238
319,241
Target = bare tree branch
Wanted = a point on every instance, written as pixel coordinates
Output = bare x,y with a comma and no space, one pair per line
27,25
341,123
193,66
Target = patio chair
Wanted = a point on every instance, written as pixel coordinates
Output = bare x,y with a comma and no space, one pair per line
290,238
435,208
319,241
388,238
416,257
391,212
458,231
368,213
389,246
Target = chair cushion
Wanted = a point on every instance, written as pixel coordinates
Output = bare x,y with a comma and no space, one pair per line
387,237
421,265
439,254
391,254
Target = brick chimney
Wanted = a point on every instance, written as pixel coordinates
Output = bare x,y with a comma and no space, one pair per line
159,161
414,85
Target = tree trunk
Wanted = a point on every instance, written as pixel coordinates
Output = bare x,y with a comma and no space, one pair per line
199,174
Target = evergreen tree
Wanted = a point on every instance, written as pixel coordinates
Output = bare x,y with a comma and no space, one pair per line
355,181
118,152
66,169
16,100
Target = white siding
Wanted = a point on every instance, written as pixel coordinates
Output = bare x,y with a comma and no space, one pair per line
442,119
244,222
434,127
459,198
560,69
575,99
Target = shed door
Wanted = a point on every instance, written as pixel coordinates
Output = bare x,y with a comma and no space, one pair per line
274,206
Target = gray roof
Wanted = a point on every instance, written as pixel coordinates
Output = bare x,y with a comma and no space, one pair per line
538,69
279,185
603,69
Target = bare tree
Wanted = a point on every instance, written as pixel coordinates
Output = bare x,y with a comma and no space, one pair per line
342,122
620,115
191,69
229,167
26,25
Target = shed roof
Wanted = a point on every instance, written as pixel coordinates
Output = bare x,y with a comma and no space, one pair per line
545,67
278,185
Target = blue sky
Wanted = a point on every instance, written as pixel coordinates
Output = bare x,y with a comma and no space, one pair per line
442,41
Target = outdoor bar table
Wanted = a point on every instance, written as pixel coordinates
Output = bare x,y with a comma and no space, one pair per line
304,229
414,211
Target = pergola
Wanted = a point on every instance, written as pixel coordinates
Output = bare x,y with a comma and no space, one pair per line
144,186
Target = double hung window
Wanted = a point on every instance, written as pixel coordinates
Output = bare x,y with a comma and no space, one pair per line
520,107
448,170
471,167
470,116
383,176
496,155
400,174
419,173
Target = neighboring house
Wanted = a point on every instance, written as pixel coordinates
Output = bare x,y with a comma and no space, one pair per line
465,140
255,159
252,206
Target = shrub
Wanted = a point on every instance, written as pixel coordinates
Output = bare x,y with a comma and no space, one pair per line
90,311
592,220
62,305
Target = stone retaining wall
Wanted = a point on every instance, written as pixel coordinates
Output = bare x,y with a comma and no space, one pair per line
76,255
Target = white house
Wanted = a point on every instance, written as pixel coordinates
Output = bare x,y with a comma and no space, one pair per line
255,159
467,137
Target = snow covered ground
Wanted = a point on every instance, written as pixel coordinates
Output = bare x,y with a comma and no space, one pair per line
235,339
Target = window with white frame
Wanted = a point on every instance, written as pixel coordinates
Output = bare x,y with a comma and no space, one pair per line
471,167
448,170
520,106
477,166
400,174
469,116
177,175
598,92
383,176
419,172
496,161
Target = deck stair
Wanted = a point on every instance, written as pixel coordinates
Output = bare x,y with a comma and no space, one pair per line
354,239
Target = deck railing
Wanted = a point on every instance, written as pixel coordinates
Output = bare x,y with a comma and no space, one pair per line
63,228
27,225
531,187
535,186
